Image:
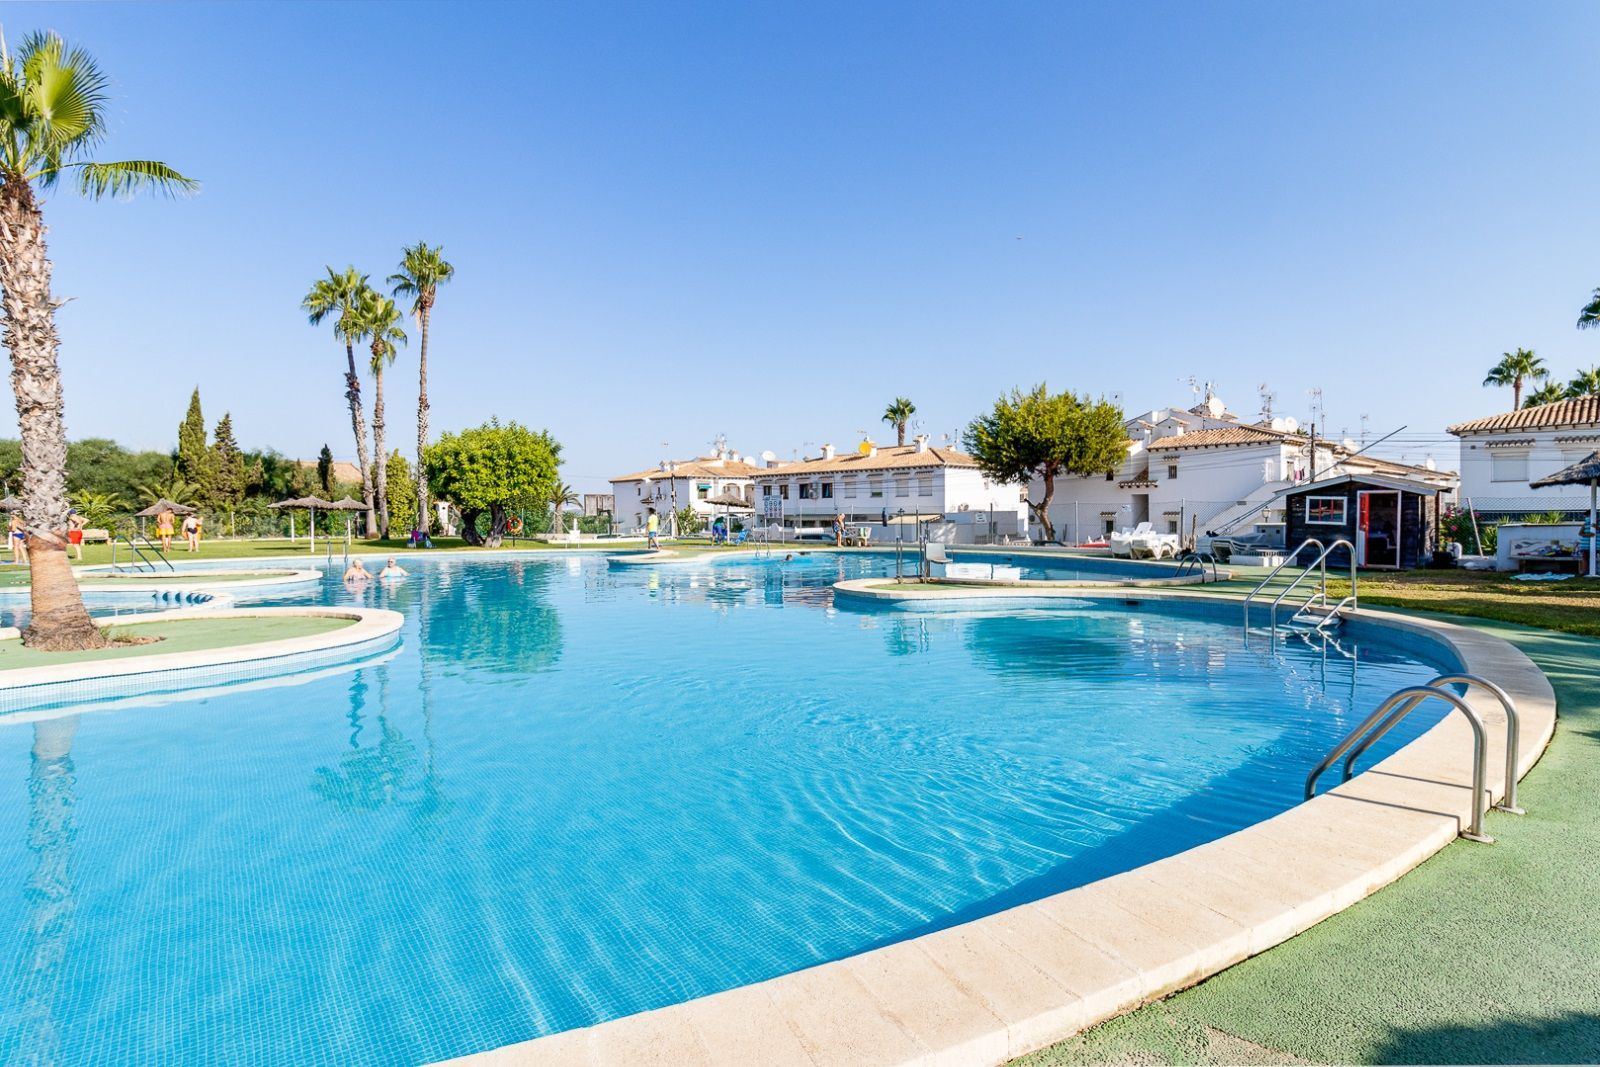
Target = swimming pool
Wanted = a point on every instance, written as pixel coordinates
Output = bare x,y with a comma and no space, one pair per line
580,791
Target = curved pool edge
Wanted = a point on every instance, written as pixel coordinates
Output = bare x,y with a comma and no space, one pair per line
998,987
26,686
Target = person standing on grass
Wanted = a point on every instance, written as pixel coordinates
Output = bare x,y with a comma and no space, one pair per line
164,523
652,529
191,531
75,525
19,538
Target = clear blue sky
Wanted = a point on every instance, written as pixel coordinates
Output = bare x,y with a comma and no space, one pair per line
767,219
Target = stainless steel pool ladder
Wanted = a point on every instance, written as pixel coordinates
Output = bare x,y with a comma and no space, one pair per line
1199,560
1403,702
1319,596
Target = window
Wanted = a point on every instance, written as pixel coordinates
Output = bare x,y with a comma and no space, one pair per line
703,490
783,491
1325,510
1172,526
1111,476
1172,472
1505,466
925,485
900,485
827,490
766,490
805,490
875,487
848,485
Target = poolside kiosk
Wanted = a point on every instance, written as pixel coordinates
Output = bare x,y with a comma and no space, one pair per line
1392,521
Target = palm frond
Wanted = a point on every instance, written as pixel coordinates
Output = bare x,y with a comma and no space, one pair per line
1589,317
96,180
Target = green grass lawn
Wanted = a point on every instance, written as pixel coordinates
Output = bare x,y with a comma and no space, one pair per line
185,635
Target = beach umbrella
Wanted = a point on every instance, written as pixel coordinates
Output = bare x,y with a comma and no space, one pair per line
163,505
729,500
1583,472
347,505
310,502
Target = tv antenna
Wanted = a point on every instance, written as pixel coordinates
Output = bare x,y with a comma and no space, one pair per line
1267,397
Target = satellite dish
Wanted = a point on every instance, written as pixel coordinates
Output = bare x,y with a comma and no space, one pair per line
865,447
1350,445
769,456
1290,424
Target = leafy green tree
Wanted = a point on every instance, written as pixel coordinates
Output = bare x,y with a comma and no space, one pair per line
690,521
99,510
491,469
1548,393
1585,383
338,296
402,494
172,487
422,271
1513,369
52,114
380,325
100,465
194,454
1042,435
897,414
227,465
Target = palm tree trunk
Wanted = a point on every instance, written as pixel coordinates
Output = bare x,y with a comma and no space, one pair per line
358,424
1516,393
59,620
380,459
425,313
900,433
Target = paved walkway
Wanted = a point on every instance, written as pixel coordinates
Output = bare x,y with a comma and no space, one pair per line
1484,954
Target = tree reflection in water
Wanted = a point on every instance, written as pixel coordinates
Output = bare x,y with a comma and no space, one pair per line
52,788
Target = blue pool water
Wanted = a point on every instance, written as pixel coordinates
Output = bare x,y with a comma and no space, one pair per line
579,791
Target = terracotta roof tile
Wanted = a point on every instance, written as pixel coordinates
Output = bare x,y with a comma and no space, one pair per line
1575,411
893,457
1223,435
701,467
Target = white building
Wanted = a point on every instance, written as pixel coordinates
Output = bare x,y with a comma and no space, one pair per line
1204,469
673,484
1502,453
898,484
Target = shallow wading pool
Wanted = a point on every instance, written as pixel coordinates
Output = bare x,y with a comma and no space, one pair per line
580,791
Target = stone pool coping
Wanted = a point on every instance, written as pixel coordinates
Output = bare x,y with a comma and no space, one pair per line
367,625
998,987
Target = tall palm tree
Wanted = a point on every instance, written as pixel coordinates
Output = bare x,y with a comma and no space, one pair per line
1548,393
561,497
1513,369
897,415
380,326
339,296
1589,317
422,271
52,114
1585,383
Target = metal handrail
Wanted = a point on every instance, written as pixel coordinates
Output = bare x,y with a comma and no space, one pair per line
1322,592
1412,696
1290,558
127,540
1200,562
1513,734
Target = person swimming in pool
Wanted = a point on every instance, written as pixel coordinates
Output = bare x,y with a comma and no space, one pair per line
391,571
357,571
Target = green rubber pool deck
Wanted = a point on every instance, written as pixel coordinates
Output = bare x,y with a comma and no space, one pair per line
183,635
1484,954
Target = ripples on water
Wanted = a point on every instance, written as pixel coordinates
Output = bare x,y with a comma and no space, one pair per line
578,792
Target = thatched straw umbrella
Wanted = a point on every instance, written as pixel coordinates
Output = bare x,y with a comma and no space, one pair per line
347,505
311,502
158,507
730,501
1583,472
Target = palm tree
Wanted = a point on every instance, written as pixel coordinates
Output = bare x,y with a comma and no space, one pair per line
561,497
1513,369
380,327
339,295
897,415
1589,317
52,113
1585,383
422,271
1548,393
173,488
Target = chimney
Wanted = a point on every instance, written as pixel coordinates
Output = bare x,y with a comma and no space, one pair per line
827,451
921,442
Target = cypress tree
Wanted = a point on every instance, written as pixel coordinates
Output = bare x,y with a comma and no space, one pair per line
228,469
325,471
194,456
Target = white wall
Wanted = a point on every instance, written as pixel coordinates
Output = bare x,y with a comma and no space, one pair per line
1543,458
